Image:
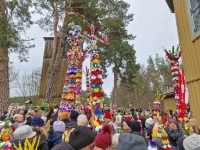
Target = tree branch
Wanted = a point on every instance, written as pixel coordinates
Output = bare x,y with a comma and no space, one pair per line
55,43
80,15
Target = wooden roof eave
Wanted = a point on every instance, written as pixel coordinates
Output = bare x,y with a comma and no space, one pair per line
169,95
170,4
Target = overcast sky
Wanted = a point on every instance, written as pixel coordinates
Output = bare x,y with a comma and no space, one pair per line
153,24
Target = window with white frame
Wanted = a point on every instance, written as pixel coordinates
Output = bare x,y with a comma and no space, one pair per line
193,9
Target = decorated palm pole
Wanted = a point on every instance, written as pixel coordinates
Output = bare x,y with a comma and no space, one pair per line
80,57
72,84
96,75
159,96
178,84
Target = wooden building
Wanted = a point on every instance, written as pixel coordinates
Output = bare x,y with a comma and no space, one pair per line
48,50
169,102
187,14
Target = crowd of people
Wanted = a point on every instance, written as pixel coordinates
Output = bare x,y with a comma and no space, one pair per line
131,129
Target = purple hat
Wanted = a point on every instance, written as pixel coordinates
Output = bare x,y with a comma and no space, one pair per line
58,126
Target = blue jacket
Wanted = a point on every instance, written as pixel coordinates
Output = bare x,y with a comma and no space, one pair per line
55,139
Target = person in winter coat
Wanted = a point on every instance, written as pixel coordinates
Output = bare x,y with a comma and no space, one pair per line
80,138
135,127
148,130
38,126
21,134
73,120
192,142
173,133
64,116
19,120
3,116
126,127
82,120
56,138
129,141
103,140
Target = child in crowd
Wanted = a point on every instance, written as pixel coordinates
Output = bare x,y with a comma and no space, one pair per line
173,133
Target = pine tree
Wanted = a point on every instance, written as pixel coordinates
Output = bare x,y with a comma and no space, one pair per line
15,18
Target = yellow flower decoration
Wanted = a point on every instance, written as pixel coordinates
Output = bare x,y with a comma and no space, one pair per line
159,96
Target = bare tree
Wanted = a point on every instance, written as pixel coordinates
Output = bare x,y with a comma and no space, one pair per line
13,77
28,85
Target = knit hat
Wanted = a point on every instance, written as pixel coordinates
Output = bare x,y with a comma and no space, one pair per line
115,139
129,141
74,115
58,126
64,115
192,142
37,121
81,137
180,143
128,122
103,139
24,132
174,121
135,126
149,122
107,115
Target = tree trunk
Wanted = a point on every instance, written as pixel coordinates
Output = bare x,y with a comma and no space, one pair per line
4,79
115,84
56,61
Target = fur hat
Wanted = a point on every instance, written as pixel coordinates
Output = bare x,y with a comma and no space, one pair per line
129,141
103,139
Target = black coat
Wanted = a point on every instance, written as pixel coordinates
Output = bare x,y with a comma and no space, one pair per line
63,146
173,136
43,141
43,145
71,124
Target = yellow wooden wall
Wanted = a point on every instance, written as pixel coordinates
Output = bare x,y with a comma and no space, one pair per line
169,103
190,56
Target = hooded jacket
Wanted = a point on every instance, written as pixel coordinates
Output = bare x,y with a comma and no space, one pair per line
55,139
63,146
